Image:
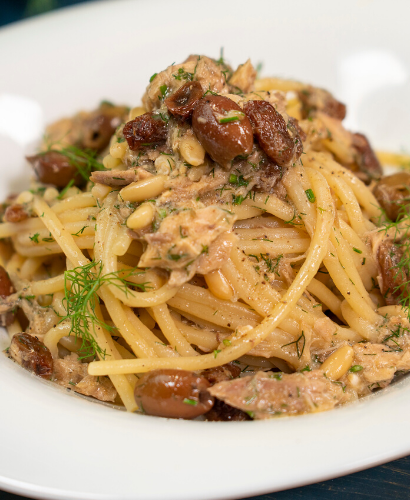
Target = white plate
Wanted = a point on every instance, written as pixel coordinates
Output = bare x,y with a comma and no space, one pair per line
55,446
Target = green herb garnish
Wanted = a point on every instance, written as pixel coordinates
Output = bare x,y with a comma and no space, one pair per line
310,195
81,286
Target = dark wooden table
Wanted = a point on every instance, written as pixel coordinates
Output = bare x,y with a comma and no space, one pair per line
390,481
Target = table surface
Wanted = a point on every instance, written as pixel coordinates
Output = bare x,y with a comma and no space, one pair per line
386,481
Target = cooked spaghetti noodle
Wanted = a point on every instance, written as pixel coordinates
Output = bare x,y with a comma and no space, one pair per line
226,250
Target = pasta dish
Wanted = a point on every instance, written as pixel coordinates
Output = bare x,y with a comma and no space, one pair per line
227,250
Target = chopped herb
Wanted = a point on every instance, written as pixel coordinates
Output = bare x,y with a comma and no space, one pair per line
357,250
152,77
302,341
84,160
272,264
292,220
35,237
183,75
216,352
64,190
232,116
237,200
164,90
175,256
250,399
251,255
81,286
310,195
238,180
80,231
395,334
356,368
189,401
226,342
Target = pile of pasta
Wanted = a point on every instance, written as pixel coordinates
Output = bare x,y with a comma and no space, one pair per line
297,305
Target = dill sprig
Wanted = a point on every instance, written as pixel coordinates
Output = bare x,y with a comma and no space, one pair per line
84,160
299,343
272,263
81,286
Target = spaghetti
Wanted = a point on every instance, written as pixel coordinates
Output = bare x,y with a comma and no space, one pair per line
226,250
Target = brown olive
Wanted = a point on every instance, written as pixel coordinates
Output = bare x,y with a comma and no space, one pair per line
394,278
6,286
222,128
32,355
182,102
222,412
145,130
366,159
100,125
15,213
55,168
6,289
393,194
173,394
221,373
97,132
272,133
314,99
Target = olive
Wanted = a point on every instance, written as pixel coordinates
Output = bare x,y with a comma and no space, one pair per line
55,168
366,159
393,194
147,129
15,213
222,412
182,102
272,133
97,132
222,128
221,373
314,99
173,394
32,354
98,128
394,278
6,286
6,289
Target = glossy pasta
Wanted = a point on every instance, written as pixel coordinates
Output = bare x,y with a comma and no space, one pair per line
233,243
